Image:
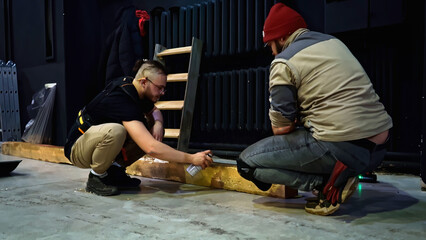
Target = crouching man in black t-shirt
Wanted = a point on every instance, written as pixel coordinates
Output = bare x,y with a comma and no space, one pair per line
112,131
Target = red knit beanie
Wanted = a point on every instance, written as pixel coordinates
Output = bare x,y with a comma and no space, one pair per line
281,21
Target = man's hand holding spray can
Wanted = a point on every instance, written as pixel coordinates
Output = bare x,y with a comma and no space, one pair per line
193,169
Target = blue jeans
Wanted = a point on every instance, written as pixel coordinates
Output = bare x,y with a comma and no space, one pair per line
300,161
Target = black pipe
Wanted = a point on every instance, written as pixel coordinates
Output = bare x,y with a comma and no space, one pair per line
403,154
226,154
413,166
220,146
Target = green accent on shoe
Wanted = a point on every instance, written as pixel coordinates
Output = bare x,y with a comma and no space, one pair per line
349,189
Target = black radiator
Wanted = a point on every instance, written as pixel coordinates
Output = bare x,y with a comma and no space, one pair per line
234,101
226,27
232,98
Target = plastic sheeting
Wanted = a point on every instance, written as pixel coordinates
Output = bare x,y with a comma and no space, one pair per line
39,130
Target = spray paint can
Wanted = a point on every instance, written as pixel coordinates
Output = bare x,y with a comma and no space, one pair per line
193,169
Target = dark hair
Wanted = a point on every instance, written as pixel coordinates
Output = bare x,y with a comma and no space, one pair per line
149,65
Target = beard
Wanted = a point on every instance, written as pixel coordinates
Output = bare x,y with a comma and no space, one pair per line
280,47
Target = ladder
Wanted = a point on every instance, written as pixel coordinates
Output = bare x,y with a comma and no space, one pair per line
10,124
190,78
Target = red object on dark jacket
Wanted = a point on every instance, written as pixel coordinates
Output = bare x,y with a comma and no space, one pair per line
143,17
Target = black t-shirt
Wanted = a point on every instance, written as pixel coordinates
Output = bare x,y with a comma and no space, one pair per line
116,106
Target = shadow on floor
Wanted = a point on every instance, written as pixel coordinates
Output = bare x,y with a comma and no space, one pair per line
13,174
368,199
176,189
6,167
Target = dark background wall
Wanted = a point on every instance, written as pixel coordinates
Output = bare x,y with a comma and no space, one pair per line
385,35
36,45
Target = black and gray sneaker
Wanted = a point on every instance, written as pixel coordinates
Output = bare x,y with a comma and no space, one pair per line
117,177
100,186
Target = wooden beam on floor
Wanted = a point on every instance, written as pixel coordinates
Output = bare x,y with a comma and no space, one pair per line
43,152
224,176
219,175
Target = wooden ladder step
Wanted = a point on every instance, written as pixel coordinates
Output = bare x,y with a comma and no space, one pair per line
171,133
170,105
177,77
175,51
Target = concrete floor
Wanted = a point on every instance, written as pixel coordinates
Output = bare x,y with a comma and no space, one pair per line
42,200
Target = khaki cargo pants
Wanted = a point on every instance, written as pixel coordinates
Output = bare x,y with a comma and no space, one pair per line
101,145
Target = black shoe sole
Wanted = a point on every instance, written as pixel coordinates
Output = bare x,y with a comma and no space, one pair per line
134,183
127,187
102,193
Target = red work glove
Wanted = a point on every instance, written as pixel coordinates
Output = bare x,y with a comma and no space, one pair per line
331,191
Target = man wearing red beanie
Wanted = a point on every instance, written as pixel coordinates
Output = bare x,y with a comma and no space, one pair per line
328,123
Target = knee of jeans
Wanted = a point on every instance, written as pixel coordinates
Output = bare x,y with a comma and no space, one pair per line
244,158
245,170
241,163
